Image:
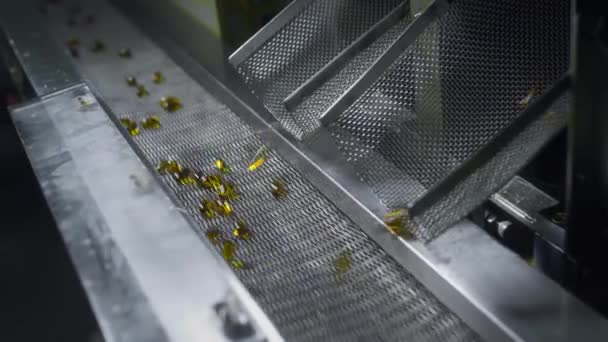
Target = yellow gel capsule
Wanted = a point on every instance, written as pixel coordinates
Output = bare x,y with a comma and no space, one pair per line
142,91
228,250
398,223
228,192
130,126
214,236
212,182
131,81
98,46
223,208
241,231
221,165
238,264
186,177
169,166
170,104
342,264
258,159
208,209
152,122
125,53
279,189
158,77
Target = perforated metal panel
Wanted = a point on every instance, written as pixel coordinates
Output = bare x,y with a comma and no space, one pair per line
306,44
466,77
492,175
296,241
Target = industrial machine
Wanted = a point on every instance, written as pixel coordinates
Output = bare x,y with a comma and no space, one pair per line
387,170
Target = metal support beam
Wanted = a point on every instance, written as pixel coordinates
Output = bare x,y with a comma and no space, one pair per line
587,179
331,68
263,35
534,111
436,9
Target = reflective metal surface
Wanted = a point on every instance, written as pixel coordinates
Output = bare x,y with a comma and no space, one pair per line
501,299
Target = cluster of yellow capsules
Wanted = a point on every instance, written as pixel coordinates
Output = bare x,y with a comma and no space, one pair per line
222,194
170,104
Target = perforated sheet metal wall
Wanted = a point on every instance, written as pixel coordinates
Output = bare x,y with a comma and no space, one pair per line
466,77
306,44
492,175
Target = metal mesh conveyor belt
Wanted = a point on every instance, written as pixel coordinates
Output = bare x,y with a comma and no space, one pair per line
464,79
306,44
296,241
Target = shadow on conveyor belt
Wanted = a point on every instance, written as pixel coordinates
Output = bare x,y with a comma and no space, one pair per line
41,298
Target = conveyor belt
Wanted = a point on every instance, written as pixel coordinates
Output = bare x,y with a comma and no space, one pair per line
295,242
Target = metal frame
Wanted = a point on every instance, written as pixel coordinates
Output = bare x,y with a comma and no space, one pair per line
269,30
331,68
375,71
531,113
489,296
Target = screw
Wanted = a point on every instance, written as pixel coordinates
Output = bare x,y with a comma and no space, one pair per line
237,325
559,217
